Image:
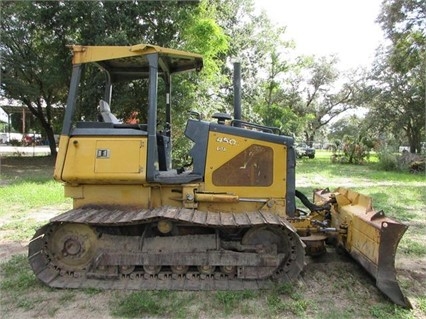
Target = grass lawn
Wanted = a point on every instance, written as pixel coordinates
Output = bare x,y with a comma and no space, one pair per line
332,288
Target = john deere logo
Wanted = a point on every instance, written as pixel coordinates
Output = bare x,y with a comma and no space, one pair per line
103,153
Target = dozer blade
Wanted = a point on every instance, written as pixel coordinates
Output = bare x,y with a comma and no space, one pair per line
369,237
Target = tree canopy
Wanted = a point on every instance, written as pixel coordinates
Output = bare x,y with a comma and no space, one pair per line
398,79
300,95
36,60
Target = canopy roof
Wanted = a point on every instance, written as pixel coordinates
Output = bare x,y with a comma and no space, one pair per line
10,109
131,61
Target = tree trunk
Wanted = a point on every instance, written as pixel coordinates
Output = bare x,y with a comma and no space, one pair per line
309,138
50,137
351,157
414,139
52,142
45,123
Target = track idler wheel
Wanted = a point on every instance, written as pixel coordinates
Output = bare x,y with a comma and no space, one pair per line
72,246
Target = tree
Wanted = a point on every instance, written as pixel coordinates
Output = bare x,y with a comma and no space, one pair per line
355,136
33,61
36,62
346,126
398,87
256,42
278,91
398,102
316,95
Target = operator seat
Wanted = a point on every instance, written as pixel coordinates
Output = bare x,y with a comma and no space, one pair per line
106,115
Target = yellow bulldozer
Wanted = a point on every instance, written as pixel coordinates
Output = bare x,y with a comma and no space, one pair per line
228,221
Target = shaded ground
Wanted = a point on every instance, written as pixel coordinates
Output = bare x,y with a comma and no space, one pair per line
18,167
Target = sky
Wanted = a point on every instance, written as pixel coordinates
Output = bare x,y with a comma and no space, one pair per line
346,28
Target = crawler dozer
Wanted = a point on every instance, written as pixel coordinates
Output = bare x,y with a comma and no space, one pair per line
228,221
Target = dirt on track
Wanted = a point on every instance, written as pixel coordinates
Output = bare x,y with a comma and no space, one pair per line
330,280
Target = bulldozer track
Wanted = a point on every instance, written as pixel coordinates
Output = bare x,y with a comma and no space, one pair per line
54,274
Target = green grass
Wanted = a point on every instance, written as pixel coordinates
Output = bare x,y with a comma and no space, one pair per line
413,248
287,299
21,229
26,185
18,275
21,197
152,303
231,301
221,304
18,283
390,312
24,195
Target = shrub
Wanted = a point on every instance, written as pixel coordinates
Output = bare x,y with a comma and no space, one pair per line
355,152
387,160
406,161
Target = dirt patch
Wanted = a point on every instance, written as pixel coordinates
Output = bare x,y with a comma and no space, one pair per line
8,248
65,305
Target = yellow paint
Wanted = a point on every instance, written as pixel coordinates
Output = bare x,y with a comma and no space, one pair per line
138,196
165,226
365,238
363,235
220,198
60,159
86,54
224,147
110,195
75,192
105,160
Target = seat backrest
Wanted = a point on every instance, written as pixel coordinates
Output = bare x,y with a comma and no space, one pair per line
106,114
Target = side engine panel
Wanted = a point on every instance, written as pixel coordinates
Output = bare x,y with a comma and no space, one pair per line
108,159
252,165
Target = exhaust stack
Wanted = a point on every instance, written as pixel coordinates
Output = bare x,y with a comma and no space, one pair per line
237,91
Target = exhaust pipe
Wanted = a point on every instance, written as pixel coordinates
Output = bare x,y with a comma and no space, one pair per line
237,92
